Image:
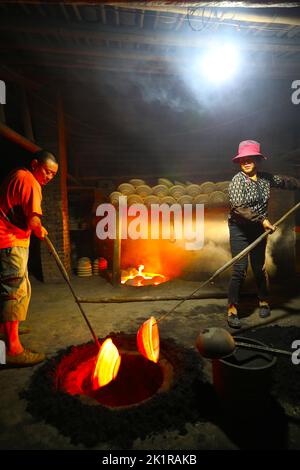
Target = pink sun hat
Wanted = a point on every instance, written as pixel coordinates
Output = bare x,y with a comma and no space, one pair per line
248,148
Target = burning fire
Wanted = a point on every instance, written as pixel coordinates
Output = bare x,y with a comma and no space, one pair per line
134,277
107,365
148,340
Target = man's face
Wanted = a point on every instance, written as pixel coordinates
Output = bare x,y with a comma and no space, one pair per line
248,165
44,172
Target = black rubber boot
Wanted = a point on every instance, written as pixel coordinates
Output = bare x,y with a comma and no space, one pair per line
264,311
234,321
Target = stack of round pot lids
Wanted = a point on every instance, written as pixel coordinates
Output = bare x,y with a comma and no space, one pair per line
96,267
84,267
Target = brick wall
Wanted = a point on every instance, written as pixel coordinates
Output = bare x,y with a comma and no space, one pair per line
55,219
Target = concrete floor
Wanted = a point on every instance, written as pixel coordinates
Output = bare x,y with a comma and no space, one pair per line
56,323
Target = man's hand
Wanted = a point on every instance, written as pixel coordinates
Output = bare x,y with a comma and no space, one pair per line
41,232
35,224
267,225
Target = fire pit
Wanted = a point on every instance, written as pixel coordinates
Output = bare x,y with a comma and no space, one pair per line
138,378
145,397
138,278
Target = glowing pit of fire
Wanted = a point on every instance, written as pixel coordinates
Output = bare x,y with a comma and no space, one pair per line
144,398
135,380
139,278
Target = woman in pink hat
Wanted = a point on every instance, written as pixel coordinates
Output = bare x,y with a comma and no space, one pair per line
249,193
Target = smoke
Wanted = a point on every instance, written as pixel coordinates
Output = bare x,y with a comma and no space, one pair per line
173,260
210,258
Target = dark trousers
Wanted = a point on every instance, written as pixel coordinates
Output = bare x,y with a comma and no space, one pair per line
240,237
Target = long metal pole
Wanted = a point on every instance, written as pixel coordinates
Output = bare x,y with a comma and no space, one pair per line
256,347
67,279
232,261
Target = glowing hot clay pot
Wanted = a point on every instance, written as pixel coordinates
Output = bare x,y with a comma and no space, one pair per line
107,365
148,340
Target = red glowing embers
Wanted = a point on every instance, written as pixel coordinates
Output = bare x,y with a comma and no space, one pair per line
148,340
107,365
138,278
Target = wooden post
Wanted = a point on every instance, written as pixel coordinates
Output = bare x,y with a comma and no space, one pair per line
117,253
27,122
62,150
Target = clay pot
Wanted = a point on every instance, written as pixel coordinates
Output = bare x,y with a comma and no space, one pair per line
151,200
201,199
168,200
193,190
177,191
143,190
160,190
218,198
126,189
207,187
114,197
148,340
134,199
185,199
165,182
136,182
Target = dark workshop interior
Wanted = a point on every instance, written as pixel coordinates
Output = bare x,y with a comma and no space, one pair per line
125,96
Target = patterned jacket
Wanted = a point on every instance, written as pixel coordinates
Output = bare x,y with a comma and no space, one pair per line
249,199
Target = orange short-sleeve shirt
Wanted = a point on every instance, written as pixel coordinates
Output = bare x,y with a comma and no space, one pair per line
20,198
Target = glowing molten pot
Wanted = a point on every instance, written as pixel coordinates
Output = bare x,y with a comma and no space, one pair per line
107,365
148,340
138,278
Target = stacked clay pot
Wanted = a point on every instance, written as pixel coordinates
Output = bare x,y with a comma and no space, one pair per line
165,191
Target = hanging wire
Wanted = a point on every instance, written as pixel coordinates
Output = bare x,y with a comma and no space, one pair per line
215,19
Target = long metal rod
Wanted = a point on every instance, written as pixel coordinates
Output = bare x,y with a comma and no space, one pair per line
148,298
256,347
67,279
232,261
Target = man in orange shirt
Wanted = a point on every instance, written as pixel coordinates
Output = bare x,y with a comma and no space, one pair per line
20,214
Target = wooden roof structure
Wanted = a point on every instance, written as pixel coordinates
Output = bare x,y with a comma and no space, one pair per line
105,57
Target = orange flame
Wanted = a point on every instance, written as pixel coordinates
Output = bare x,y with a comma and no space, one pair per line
107,364
148,340
140,278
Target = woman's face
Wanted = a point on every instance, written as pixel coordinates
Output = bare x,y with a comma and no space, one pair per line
248,165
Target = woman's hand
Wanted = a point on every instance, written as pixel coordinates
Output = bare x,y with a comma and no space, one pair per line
268,226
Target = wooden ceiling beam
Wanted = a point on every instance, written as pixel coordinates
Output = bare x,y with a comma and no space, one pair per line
133,35
262,70
206,12
18,139
8,74
80,53
221,4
